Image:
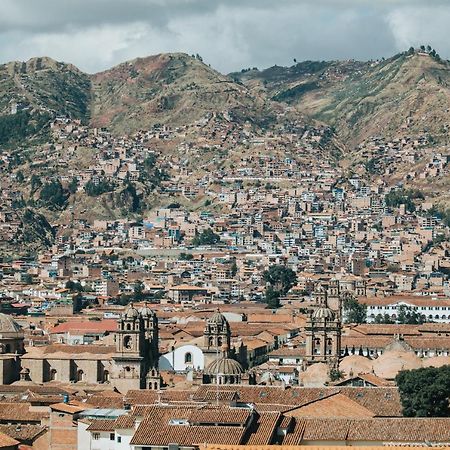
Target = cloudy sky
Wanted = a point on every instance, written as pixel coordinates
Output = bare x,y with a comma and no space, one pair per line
228,34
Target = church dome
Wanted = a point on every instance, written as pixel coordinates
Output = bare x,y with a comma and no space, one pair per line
224,366
131,313
323,313
8,325
217,318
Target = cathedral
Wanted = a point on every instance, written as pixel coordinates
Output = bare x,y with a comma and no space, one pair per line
132,363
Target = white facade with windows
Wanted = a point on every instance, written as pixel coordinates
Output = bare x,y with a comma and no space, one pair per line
432,310
184,358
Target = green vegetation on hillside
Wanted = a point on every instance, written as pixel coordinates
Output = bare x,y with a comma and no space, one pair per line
403,197
15,128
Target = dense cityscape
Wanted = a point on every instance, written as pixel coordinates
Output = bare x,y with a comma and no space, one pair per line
198,261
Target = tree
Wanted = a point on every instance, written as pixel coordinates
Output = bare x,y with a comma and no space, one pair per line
36,182
234,268
74,286
272,298
186,256
386,319
425,392
139,291
411,51
95,189
280,278
206,237
53,194
20,177
73,185
407,315
354,312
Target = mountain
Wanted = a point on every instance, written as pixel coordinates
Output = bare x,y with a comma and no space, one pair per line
406,94
42,84
32,92
172,88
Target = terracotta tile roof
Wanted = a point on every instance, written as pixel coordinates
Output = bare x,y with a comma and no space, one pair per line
369,377
78,349
102,425
70,408
263,429
165,425
85,326
384,329
274,395
383,402
7,441
285,351
143,397
23,433
397,430
126,421
310,447
337,405
19,412
407,430
107,399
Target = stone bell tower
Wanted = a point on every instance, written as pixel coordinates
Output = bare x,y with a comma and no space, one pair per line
135,363
216,335
323,336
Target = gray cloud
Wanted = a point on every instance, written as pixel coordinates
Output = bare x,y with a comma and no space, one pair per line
229,34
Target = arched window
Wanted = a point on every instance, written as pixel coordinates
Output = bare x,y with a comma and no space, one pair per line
188,358
53,375
127,342
128,326
105,376
219,342
80,375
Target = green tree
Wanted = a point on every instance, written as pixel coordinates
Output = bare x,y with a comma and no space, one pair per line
53,194
138,291
186,256
280,278
74,286
272,298
386,319
19,176
206,237
407,315
425,392
234,268
354,312
73,185
95,189
36,183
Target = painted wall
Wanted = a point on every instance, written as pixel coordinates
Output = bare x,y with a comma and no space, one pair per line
179,360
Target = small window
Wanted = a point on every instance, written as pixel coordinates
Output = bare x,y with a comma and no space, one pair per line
119,439
112,436
95,436
188,358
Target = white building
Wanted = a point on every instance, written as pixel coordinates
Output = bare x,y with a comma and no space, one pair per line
182,359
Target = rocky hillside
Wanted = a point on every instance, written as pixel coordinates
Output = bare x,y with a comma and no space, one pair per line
174,89
406,94
33,92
